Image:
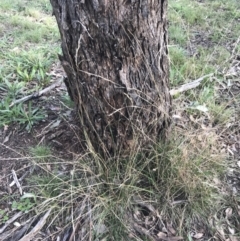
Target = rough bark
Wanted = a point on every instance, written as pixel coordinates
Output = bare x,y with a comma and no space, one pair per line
115,58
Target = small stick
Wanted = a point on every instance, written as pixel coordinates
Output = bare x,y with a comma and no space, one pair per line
37,228
15,178
9,221
190,85
182,88
37,94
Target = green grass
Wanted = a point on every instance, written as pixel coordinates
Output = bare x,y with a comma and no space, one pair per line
28,48
40,152
182,179
28,39
20,114
200,34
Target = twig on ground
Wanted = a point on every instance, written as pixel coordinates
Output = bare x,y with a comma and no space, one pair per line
37,228
37,94
9,221
17,232
15,178
190,85
182,88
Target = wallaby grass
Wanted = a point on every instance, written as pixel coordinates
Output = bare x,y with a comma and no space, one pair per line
177,177
183,179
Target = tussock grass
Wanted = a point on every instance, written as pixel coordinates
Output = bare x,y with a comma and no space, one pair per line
176,178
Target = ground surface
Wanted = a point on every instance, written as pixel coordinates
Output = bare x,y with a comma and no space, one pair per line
204,38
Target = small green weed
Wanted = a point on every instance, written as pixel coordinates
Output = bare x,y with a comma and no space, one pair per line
13,89
25,204
3,216
19,113
66,100
40,152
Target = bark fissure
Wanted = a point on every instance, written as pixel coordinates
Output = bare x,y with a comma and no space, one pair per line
115,58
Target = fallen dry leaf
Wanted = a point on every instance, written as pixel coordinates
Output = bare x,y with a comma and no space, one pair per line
234,238
238,163
163,236
231,230
198,235
238,210
228,212
171,229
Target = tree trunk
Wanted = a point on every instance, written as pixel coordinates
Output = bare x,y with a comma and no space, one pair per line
116,60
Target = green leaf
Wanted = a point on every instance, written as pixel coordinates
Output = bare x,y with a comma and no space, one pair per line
29,195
